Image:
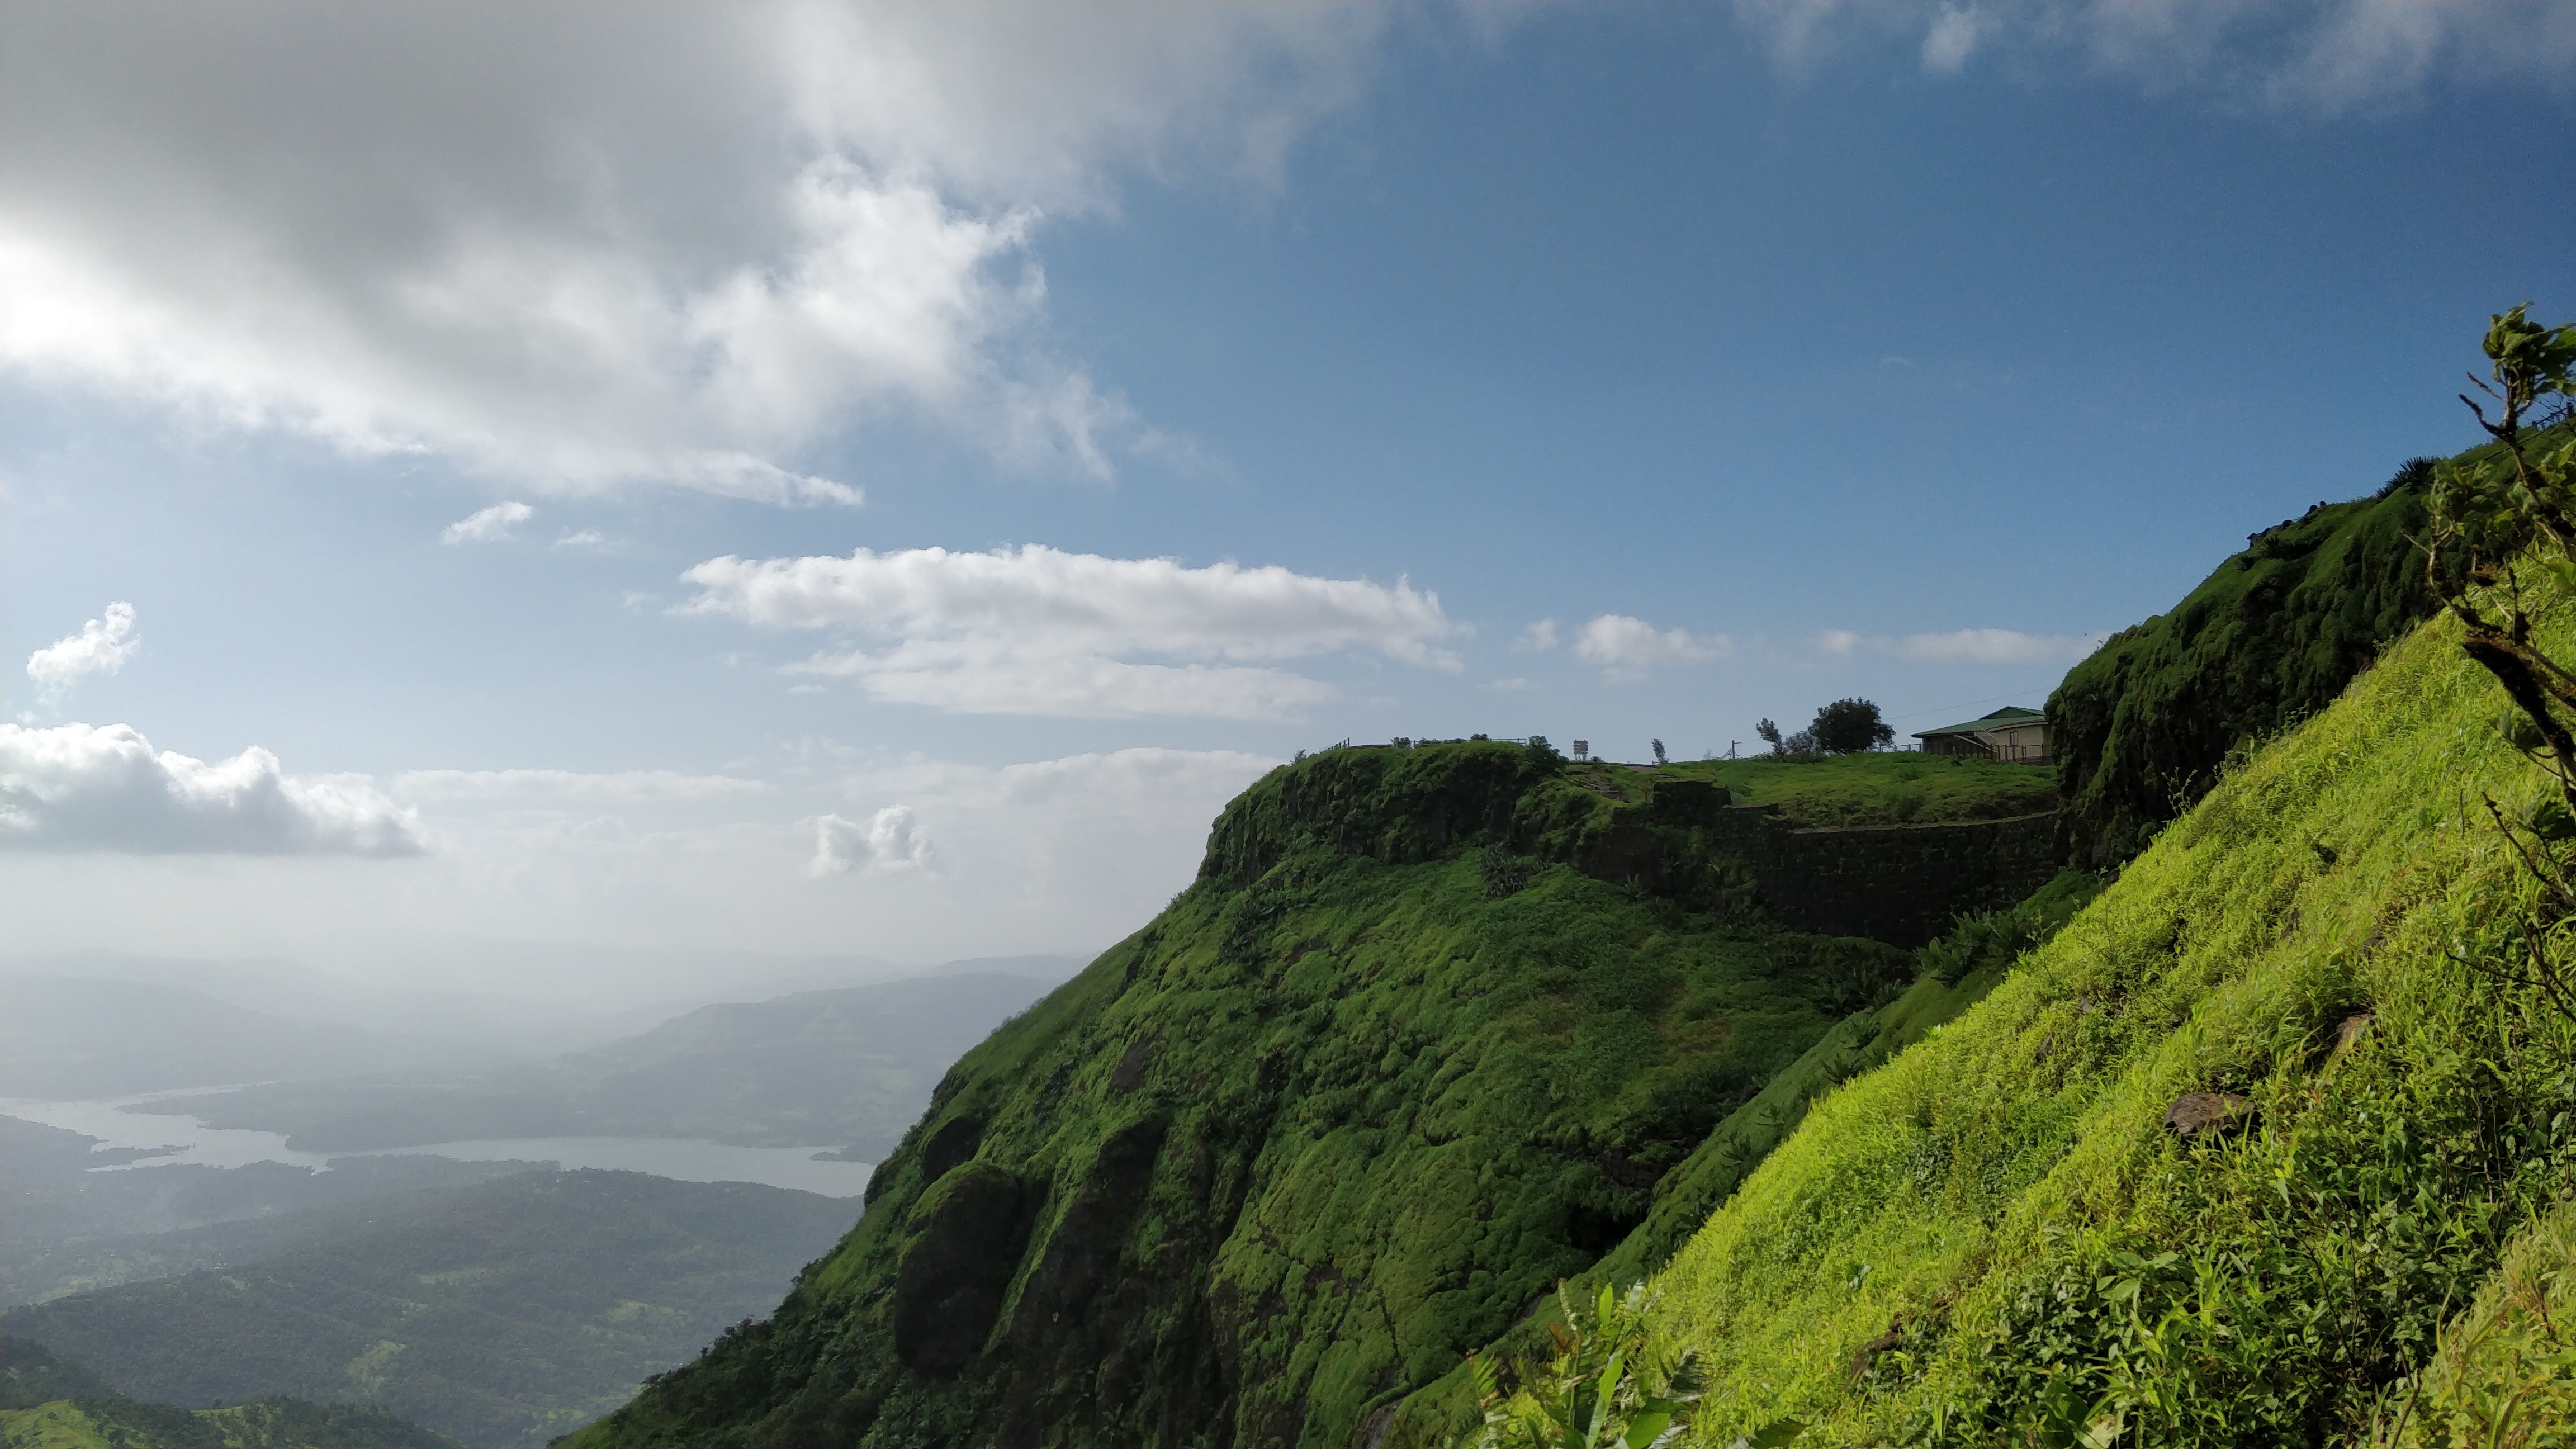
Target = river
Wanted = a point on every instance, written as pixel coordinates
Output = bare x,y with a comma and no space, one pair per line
687,1159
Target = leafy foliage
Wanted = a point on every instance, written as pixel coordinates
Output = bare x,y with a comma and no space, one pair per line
1613,1381
1850,726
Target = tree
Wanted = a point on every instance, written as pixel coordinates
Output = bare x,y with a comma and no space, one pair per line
1769,732
1850,726
1659,750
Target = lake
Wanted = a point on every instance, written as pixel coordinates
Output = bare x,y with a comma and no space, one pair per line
686,1159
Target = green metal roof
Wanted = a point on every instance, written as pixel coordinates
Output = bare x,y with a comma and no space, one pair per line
2011,714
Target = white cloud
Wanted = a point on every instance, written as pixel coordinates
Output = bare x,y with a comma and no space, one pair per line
101,647
583,538
2327,56
1626,648
1538,636
891,839
83,788
1946,45
1839,641
690,247
487,525
569,785
1035,630
2000,646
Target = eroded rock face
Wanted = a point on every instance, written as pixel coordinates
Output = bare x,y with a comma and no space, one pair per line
972,1226
2196,1113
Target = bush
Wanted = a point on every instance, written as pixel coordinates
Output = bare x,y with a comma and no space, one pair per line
1850,726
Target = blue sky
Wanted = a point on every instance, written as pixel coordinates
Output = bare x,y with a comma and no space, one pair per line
1610,372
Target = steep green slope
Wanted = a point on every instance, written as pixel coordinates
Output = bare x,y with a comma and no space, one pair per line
2142,727
1422,1038
848,1068
47,1402
1999,1238
496,1314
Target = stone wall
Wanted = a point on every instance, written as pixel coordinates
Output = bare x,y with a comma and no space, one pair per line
1901,884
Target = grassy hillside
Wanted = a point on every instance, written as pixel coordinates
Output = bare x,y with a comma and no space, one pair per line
495,1314
1998,1238
1346,1109
2142,728
48,1402
848,1068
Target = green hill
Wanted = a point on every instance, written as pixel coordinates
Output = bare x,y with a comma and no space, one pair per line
1424,1036
848,1068
1999,1237
496,1314
47,1402
2144,725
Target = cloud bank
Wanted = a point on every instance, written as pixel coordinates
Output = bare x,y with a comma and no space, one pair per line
78,787
1034,630
684,245
101,647
567,786
1970,646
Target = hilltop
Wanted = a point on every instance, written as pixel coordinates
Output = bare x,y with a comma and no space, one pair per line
1423,1037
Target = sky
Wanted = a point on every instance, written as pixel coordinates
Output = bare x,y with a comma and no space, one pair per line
807,479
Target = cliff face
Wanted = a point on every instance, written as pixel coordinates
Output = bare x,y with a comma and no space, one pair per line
1426,1035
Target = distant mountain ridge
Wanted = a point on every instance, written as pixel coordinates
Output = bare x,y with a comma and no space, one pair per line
845,1069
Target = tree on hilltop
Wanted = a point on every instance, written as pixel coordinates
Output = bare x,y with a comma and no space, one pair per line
1850,726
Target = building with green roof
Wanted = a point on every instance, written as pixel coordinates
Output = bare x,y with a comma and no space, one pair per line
2012,734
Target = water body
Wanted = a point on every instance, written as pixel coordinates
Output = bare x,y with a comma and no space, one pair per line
191,1140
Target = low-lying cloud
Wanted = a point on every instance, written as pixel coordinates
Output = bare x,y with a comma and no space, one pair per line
101,647
540,787
1969,646
1627,648
79,787
1034,630
891,839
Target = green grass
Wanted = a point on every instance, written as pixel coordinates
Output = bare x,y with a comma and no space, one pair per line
1884,788
48,1402
2005,1201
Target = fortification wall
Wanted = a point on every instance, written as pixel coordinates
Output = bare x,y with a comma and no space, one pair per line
1901,884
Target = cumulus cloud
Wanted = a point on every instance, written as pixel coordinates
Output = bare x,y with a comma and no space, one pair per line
79,787
687,247
548,786
1537,637
1034,630
2327,57
2001,646
101,647
891,839
487,525
1627,648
